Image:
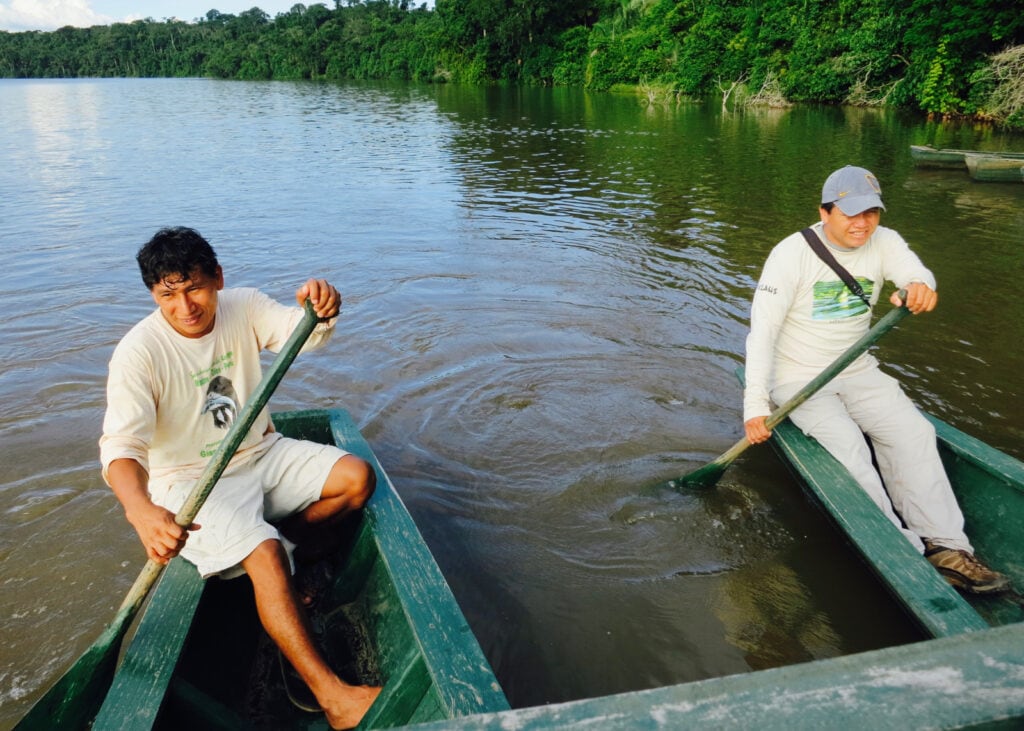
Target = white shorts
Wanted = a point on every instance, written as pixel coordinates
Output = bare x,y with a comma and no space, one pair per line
240,511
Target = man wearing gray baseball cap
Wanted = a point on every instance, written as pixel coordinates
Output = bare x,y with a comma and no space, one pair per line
813,302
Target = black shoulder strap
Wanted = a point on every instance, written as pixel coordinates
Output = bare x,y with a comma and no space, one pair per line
826,256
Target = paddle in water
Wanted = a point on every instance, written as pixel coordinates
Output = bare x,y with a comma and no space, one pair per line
76,697
709,474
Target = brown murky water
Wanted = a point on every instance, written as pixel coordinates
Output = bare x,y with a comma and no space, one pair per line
546,297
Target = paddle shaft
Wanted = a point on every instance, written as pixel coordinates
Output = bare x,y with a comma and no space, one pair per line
884,325
712,471
225,451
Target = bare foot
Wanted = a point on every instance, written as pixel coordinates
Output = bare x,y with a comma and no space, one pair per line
349,707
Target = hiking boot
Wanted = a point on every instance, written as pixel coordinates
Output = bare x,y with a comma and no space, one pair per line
961,569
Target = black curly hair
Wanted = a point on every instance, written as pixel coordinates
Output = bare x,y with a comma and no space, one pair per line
176,251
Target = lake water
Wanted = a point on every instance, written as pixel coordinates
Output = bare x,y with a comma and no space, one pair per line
546,295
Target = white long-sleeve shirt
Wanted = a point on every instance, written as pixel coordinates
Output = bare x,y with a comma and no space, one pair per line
171,399
803,317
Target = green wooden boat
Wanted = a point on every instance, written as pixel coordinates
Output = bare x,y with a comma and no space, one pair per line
973,680
969,675
990,169
936,157
926,156
199,659
989,486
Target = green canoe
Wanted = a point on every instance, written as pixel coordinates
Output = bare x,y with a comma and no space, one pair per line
385,615
989,486
991,169
926,156
969,675
931,157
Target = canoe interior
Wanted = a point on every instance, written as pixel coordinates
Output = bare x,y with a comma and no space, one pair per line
989,486
384,615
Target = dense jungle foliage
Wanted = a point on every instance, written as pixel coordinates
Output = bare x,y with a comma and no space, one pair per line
937,57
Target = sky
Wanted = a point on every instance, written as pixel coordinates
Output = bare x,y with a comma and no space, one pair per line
19,15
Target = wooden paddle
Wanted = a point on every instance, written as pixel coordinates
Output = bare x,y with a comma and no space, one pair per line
709,474
76,697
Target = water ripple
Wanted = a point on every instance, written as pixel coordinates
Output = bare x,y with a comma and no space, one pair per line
546,294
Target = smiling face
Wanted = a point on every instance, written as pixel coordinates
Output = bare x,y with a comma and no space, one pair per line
189,304
850,232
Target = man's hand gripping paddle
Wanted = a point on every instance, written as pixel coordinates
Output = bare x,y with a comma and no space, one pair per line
76,697
709,474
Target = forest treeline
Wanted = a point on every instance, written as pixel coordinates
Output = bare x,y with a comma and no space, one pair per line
956,57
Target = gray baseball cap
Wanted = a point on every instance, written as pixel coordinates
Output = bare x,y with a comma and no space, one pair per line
853,189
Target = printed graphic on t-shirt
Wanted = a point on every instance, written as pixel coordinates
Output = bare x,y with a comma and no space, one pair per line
834,300
221,402
220,364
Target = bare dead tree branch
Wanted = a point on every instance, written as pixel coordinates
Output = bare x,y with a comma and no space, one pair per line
728,90
1007,70
769,95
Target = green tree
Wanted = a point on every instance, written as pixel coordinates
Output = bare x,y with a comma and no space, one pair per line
919,54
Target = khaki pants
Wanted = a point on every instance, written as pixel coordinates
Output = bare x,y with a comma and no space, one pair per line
913,484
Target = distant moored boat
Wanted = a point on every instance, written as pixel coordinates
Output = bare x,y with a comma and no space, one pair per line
934,157
989,169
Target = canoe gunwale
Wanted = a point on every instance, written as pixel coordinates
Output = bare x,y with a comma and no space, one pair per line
458,669
972,680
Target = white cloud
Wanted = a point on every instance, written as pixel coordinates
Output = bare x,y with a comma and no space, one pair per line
49,14
46,15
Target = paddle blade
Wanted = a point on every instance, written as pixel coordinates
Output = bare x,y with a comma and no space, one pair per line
711,473
75,699
706,476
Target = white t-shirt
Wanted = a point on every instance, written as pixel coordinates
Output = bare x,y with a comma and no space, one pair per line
803,317
171,399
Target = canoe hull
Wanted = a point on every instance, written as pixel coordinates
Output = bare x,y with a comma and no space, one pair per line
925,156
932,157
968,681
989,486
986,169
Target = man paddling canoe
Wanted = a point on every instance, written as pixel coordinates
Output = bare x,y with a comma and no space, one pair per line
176,382
808,309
